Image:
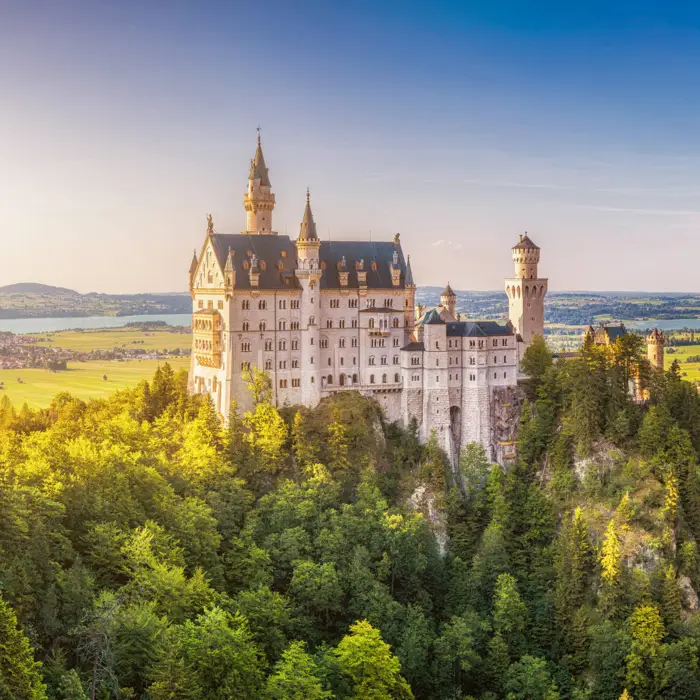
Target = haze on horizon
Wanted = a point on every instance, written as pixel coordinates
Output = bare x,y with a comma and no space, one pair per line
459,125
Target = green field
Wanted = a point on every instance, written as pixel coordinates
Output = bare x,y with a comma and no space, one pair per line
689,371
82,379
108,338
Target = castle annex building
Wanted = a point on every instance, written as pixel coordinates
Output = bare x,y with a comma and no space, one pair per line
322,317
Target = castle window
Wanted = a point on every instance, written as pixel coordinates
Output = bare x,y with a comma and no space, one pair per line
437,345
354,379
371,379
294,325
268,364
383,360
353,323
342,360
296,382
495,375
282,304
295,345
245,305
472,343
210,277
494,342
245,347
246,325
341,323
282,325
437,380
295,363
283,383
283,364
371,323
352,303
330,379
341,343
437,361
415,360
262,326
383,378
504,375
329,323
354,361
268,346
219,304
396,342
294,304
395,323
313,379
504,342
200,304
324,342
210,304
329,362
370,303
396,359
245,366
335,303
353,342
472,360
371,359
282,345
312,321
311,360
262,305
396,378
505,358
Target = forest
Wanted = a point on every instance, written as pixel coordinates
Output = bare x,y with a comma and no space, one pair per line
147,552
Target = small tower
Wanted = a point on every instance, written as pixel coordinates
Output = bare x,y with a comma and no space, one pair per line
448,300
308,273
526,291
655,349
409,303
259,201
193,270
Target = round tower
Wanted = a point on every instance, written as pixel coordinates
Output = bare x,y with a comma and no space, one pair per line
259,201
448,299
526,291
655,349
526,256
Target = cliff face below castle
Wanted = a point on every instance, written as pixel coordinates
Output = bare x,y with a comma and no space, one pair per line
507,403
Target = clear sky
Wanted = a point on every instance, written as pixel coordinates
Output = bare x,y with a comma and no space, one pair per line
458,124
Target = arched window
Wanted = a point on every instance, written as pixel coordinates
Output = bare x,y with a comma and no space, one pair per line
371,323
371,359
262,326
354,379
246,325
341,380
383,378
395,323
330,379
396,378
262,305
371,379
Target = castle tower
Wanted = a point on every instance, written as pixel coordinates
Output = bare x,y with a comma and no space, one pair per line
308,273
259,201
409,318
526,291
655,349
448,300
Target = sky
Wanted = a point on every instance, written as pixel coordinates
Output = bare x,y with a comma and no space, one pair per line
458,124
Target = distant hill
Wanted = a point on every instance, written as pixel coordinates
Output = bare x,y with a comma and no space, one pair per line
36,288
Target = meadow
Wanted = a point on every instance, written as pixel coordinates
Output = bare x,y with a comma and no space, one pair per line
84,380
108,338
689,370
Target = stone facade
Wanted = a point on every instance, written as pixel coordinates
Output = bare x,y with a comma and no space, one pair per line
324,317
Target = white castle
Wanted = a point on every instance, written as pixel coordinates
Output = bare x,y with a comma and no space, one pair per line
323,317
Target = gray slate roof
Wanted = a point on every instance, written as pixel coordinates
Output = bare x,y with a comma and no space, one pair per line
478,329
269,249
525,242
413,346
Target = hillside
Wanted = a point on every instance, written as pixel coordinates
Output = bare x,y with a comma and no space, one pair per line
36,288
148,553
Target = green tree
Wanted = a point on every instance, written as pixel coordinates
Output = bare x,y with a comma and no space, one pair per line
509,612
366,660
529,679
611,571
20,674
296,677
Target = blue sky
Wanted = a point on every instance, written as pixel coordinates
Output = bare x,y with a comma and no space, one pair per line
458,124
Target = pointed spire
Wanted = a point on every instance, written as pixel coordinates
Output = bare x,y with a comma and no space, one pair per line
447,291
229,260
409,273
258,170
307,232
193,264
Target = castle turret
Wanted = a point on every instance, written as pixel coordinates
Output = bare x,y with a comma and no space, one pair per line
308,273
448,300
526,291
655,349
259,201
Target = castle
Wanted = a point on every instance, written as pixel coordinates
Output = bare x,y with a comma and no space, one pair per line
322,317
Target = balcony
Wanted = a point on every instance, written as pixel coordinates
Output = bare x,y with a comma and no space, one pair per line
207,327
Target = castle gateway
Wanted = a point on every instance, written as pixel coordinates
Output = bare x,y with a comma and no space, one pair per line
322,317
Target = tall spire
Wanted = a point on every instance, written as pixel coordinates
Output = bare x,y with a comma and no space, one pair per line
409,274
307,232
258,170
193,264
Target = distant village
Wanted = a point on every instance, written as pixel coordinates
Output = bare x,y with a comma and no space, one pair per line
24,352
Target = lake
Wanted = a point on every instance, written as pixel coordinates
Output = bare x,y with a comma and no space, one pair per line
669,324
40,325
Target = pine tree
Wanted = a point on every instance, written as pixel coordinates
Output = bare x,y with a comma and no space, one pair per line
295,677
671,599
20,675
611,572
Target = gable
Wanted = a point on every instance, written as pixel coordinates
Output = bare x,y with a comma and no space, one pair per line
209,274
